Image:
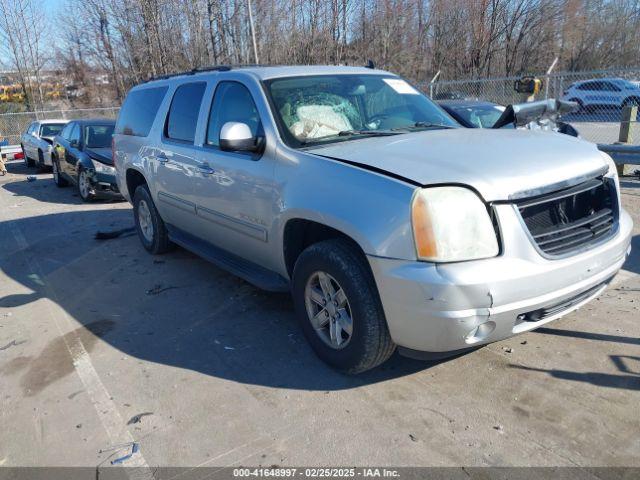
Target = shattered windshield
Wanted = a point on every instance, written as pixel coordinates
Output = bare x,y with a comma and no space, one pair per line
331,108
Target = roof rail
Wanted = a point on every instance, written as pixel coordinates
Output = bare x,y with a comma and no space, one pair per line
212,68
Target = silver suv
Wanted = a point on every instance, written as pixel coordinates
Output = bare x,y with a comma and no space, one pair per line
391,226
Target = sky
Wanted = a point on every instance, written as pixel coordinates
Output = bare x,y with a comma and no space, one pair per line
49,9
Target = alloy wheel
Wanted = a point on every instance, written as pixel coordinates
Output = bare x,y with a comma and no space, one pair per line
328,310
83,185
144,220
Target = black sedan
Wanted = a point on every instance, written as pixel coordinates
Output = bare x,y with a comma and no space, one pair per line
82,155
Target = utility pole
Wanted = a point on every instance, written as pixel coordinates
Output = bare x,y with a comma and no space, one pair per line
253,33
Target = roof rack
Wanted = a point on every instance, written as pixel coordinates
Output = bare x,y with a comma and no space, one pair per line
212,68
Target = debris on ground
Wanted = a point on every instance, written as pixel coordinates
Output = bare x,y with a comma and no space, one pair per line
12,343
158,262
108,235
134,449
229,348
138,418
157,289
507,349
31,178
499,428
524,342
413,437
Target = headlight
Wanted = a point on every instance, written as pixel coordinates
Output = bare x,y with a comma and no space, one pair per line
102,168
613,169
451,224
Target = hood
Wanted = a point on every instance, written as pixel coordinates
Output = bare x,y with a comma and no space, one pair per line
102,155
497,163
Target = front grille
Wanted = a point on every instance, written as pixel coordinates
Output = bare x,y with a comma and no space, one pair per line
570,219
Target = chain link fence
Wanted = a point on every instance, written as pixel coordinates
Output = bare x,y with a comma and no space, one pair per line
601,94
13,125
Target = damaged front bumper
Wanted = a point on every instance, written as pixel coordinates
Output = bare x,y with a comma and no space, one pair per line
447,308
103,184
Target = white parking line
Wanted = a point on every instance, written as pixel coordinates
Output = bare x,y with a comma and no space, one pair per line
106,409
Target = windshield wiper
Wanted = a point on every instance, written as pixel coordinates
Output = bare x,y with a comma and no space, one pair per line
419,125
349,133
373,133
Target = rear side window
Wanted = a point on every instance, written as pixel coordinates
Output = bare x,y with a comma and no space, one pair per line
183,113
139,111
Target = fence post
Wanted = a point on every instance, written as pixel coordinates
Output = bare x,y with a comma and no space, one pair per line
629,114
433,80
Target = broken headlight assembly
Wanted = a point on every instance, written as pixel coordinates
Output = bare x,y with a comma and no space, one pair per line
452,224
102,168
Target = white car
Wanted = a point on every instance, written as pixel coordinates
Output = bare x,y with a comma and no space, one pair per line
37,141
603,92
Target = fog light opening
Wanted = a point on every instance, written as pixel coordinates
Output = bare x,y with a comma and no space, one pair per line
480,333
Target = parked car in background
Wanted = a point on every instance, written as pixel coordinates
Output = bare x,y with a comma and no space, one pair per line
82,155
389,223
37,141
481,114
603,92
8,153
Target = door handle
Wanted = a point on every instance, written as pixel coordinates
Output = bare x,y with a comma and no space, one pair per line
205,169
162,158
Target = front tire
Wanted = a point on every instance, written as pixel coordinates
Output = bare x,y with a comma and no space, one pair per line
338,307
149,225
57,176
84,186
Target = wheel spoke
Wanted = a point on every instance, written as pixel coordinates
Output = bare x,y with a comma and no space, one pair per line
325,284
334,333
345,321
320,319
317,296
341,298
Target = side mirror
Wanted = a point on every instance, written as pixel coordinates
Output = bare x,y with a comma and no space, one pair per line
74,143
237,137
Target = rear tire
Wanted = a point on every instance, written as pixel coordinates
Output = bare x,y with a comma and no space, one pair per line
149,225
369,343
57,176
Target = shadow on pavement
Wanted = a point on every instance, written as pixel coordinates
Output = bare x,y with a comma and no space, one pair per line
627,382
175,309
588,335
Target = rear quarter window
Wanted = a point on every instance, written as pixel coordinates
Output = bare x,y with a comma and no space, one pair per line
139,111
